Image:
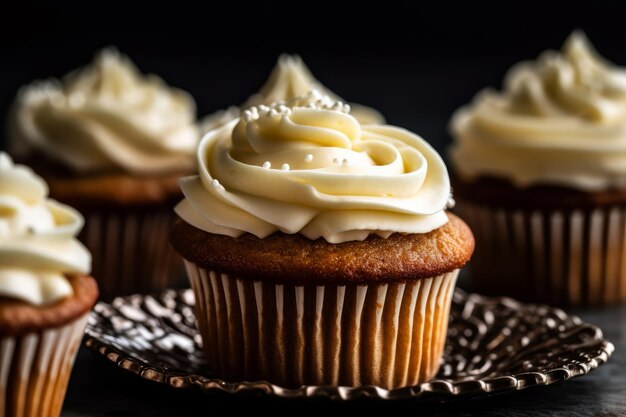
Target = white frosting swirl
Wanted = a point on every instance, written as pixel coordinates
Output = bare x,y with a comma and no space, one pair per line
307,166
560,120
108,117
37,239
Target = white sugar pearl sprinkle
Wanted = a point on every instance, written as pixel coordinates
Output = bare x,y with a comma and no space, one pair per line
216,184
308,158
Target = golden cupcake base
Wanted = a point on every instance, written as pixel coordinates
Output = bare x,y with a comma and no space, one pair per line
131,251
388,335
35,369
555,256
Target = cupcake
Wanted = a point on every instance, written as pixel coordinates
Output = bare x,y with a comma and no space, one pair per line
45,294
290,78
113,142
541,179
319,249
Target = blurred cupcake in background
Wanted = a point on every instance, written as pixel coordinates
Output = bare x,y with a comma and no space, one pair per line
290,78
45,294
112,142
540,176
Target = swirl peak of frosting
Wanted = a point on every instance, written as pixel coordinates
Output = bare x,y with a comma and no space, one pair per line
37,238
290,78
307,166
576,82
559,120
107,116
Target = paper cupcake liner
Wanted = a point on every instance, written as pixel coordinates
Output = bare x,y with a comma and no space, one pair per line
35,369
389,335
574,257
131,251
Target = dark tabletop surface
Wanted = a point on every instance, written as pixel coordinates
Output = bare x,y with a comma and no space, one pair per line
98,388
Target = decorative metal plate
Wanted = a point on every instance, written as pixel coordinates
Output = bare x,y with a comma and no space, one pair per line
494,345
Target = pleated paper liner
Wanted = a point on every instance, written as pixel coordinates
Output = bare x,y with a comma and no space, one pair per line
558,257
131,251
387,335
35,369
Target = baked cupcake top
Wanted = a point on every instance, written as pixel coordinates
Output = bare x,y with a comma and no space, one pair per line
296,260
290,78
37,239
308,166
559,120
107,117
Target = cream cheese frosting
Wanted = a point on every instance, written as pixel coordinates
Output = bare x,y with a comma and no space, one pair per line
308,166
108,117
559,120
37,239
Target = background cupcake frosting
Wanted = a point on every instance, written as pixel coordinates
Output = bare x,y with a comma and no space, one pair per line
37,239
292,78
108,117
308,166
560,119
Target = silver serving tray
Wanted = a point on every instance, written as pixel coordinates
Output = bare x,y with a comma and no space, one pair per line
494,345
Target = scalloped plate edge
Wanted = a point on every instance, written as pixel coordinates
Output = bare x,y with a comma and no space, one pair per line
433,389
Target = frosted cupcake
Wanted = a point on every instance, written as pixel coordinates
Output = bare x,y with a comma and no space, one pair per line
45,294
112,142
319,249
541,179
290,78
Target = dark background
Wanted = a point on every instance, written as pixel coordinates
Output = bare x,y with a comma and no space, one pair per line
414,61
